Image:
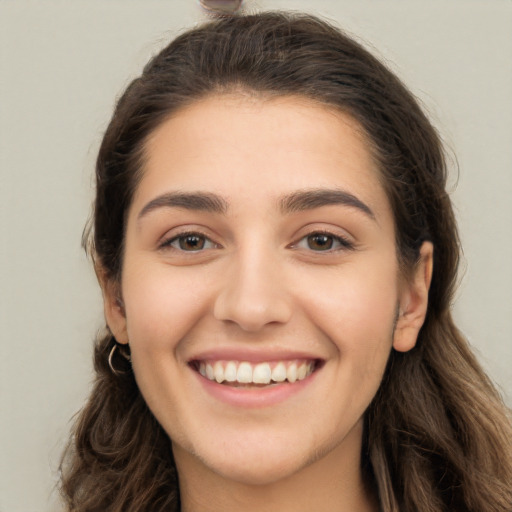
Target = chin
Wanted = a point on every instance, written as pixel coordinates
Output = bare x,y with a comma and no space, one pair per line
259,473
256,462
283,460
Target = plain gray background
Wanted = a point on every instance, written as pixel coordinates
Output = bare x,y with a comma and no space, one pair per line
62,64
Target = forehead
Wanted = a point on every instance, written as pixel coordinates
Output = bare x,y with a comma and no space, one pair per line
243,147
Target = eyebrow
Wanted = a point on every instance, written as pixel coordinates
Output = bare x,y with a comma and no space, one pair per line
297,201
316,198
199,201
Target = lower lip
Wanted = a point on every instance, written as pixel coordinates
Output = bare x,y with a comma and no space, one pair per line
254,396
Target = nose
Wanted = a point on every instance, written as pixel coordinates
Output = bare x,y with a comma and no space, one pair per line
253,295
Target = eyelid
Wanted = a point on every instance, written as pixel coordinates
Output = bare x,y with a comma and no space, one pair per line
172,236
344,241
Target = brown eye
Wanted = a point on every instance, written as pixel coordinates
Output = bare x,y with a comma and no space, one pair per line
324,242
320,242
189,242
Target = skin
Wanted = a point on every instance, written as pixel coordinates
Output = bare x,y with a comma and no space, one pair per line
261,285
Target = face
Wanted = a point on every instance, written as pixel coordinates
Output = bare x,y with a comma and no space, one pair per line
260,289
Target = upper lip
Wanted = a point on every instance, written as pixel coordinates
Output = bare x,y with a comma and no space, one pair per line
252,355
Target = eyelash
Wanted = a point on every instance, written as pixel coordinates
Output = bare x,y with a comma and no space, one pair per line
343,243
168,243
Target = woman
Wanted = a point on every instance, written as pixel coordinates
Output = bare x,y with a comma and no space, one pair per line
277,255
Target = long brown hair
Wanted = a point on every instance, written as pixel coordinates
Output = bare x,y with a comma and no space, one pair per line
437,436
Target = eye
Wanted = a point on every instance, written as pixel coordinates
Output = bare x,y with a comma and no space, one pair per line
189,242
323,242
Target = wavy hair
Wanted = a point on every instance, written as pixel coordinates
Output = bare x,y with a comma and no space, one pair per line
437,434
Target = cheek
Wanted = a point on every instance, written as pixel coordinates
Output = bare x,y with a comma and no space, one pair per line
355,306
162,304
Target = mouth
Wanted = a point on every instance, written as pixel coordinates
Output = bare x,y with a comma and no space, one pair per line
245,374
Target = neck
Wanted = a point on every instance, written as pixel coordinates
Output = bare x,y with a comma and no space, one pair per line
334,482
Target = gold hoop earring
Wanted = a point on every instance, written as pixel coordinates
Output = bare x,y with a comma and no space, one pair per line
111,356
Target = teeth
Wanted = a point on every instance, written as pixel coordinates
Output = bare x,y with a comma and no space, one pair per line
291,373
244,373
302,371
218,372
279,373
230,372
261,373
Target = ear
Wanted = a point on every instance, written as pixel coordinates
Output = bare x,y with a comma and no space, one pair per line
113,307
414,301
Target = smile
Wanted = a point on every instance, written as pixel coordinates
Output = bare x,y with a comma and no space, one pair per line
237,373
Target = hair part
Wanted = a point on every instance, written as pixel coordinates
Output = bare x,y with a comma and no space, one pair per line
437,434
